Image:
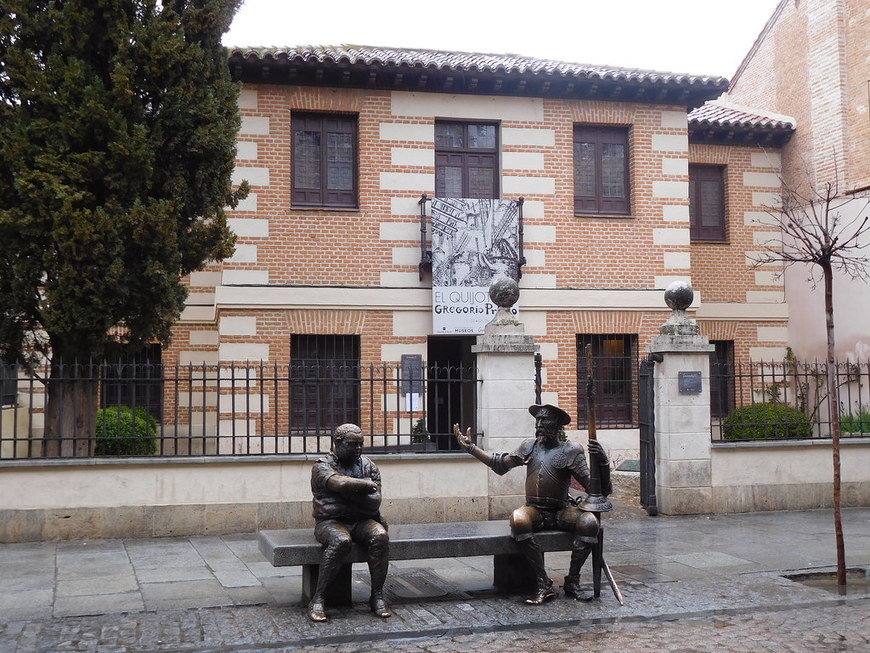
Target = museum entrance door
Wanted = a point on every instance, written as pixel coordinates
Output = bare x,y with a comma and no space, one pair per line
451,390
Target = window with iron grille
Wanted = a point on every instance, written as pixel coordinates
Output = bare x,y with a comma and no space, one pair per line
601,170
324,382
614,360
721,378
324,171
8,384
707,203
466,159
135,379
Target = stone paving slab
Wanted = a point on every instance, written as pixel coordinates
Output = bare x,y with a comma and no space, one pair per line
725,568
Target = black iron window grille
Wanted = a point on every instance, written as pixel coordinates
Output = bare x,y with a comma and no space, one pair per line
614,360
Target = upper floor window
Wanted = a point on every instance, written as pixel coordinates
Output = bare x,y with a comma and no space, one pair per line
601,179
466,159
707,202
324,169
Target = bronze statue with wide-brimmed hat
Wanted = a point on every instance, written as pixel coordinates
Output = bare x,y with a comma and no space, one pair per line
551,464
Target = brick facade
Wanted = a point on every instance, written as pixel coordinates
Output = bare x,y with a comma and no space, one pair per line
304,271
810,62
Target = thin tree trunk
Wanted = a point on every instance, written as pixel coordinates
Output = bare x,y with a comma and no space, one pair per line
70,411
834,399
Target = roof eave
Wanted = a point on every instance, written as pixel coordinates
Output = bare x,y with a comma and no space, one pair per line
747,135
268,68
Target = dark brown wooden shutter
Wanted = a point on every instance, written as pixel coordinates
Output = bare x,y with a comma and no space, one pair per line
601,170
707,203
325,161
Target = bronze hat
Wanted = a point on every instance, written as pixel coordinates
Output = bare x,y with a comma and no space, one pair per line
562,417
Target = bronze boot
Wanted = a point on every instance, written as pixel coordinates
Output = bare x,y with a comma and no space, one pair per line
545,593
535,557
572,580
379,605
316,610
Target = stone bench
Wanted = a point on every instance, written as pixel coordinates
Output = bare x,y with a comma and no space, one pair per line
511,572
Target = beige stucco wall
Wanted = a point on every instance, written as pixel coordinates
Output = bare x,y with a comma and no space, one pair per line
88,499
750,477
804,288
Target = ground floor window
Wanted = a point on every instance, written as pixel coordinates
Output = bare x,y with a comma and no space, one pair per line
135,379
8,384
613,364
325,382
721,378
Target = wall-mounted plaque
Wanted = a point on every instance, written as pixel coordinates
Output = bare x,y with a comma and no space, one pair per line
690,382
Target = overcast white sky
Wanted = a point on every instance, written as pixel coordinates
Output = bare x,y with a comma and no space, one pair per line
707,37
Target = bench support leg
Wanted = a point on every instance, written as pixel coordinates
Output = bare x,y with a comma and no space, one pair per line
512,573
338,593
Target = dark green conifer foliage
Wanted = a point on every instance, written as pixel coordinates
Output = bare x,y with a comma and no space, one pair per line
118,121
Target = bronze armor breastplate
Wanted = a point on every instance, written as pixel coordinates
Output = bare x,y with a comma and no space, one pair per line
547,478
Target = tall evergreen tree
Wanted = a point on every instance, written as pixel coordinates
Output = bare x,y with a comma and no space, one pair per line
118,121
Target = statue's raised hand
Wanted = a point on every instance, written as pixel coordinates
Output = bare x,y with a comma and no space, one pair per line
463,440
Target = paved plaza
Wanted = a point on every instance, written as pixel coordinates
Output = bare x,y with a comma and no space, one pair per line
697,583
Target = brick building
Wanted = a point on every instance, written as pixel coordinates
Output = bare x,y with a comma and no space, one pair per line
810,61
623,192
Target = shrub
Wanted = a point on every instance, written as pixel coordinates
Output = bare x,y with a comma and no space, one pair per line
419,433
859,423
123,432
767,421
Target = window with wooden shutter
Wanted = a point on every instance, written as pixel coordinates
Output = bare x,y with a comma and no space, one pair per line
601,170
707,203
466,159
324,156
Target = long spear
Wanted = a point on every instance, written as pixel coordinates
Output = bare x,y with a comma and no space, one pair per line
594,501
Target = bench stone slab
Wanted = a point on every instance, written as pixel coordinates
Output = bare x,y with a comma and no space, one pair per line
291,547
511,571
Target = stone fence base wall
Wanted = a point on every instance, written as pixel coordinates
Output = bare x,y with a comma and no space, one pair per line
88,499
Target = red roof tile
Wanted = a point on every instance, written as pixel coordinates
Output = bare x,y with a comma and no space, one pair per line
713,114
471,61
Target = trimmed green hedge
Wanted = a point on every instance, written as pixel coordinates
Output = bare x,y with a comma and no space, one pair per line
121,432
768,421
859,423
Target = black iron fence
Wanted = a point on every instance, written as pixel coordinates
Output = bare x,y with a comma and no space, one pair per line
788,400
221,410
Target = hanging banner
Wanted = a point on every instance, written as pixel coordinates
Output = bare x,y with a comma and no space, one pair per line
473,242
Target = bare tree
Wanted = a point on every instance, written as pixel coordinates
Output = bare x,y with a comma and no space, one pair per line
825,228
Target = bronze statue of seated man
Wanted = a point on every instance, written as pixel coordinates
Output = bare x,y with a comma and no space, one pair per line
550,466
347,499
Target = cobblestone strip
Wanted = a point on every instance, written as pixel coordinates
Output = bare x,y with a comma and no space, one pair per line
841,628
486,625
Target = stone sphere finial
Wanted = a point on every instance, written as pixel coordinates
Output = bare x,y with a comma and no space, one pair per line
679,296
504,292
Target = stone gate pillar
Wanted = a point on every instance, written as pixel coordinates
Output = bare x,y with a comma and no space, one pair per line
506,364
682,410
